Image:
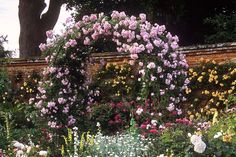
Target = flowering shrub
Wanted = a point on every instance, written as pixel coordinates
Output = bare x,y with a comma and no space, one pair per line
63,96
211,84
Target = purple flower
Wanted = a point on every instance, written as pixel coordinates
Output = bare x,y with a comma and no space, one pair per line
71,120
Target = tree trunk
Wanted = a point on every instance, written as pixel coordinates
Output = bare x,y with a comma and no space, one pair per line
33,24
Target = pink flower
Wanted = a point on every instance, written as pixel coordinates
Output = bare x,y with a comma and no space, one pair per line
134,56
39,104
107,26
42,47
174,45
87,41
71,120
49,34
157,43
139,111
66,109
85,18
61,100
153,131
142,17
142,72
149,47
151,65
64,82
140,64
72,43
93,17
153,78
143,126
51,104
171,107
115,15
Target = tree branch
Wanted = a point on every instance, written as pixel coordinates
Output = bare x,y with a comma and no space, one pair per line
50,18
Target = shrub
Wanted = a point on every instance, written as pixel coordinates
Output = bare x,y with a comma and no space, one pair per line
210,86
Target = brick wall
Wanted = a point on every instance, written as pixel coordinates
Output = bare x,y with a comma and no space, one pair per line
218,52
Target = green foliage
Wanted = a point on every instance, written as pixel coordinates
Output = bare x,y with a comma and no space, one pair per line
172,141
221,137
223,28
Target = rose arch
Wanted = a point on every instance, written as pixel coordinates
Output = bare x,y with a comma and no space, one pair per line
63,95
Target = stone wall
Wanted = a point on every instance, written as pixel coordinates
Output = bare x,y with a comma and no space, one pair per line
218,52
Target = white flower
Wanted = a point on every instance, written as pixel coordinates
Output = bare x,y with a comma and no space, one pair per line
139,111
142,72
171,107
189,135
218,134
98,124
199,147
18,145
195,138
19,153
148,126
28,149
161,155
154,122
43,153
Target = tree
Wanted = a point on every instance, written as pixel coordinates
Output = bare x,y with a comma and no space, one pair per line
182,17
3,53
34,24
223,28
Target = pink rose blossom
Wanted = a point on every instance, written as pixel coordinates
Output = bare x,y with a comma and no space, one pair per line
142,17
151,65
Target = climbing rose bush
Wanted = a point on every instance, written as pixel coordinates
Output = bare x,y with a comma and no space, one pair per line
63,94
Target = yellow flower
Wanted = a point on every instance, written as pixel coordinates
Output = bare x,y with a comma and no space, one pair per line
200,79
191,70
225,77
25,84
206,92
227,138
230,91
194,74
221,84
188,90
191,117
211,100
